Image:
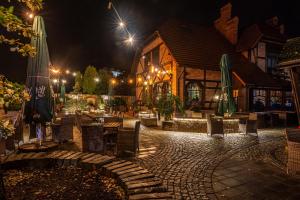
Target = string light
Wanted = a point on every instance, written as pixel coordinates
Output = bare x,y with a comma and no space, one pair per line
74,74
67,71
64,81
121,24
97,80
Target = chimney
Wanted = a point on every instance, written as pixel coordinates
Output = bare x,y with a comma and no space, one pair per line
227,25
273,22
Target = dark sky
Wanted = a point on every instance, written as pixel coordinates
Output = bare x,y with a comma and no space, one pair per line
83,32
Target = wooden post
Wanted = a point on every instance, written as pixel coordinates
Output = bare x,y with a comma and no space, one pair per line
294,75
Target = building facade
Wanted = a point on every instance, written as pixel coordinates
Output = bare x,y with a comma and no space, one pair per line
183,59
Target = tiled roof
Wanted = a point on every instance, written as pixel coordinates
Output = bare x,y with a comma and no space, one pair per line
202,47
252,35
195,46
251,74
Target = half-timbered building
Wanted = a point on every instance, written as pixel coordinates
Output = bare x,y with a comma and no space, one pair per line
183,59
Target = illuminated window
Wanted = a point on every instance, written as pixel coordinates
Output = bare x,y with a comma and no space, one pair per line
259,99
275,98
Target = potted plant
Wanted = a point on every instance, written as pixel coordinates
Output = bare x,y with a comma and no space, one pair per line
166,106
6,130
12,95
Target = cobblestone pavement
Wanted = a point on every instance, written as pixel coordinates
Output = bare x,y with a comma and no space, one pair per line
197,166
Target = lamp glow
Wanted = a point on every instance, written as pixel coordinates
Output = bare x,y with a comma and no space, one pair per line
74,73
64,81
121,24
96,80
67,71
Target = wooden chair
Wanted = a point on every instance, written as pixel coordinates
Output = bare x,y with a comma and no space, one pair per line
215,125
250,125
93,137
63,131
128,140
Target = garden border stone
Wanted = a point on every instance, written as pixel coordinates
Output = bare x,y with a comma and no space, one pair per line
137,182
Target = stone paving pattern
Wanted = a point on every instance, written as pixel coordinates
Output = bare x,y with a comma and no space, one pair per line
197,166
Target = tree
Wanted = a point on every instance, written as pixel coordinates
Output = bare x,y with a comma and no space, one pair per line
78,82
15,26
89,84
103,85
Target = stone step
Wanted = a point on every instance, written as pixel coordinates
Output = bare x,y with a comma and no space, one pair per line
114,163
66,155
124,168
137,177
28,156
39,155
147,190
158,195
87,156
125,174
10,158
145,180
110,168
120,173
143,185
95,157
75,156
101,161
57,154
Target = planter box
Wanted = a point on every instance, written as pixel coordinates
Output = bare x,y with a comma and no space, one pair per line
151,121
168,125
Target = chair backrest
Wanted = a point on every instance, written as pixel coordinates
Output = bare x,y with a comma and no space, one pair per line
137,133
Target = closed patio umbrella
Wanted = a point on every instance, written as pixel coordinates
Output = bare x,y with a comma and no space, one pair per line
63,92
40,106
226,103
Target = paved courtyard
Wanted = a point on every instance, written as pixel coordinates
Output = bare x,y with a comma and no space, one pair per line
197,166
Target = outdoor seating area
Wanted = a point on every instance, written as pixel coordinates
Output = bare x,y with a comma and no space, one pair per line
137,100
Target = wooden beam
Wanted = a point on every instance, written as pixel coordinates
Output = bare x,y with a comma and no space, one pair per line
239,78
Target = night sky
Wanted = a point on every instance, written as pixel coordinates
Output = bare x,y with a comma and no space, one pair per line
84,32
